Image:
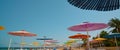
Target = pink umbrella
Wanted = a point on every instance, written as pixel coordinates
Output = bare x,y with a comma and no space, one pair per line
51,41
88,27
21,33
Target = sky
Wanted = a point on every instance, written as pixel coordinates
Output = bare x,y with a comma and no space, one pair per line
50,18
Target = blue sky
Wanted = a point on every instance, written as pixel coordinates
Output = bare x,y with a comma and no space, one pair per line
49,18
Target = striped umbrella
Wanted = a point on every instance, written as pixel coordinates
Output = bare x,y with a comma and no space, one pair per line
99,5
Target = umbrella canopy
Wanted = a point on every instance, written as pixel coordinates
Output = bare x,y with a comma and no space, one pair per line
79,36
88,27
99,5
51,41
44,38
115,35
94,41
72,41
2,28
35,43
100,39
21,33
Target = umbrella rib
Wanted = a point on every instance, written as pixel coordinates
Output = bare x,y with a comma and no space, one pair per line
82,6
110,5
89,5
105,5
76,3
114,4
117,4
98,7
80,3
94,5
102,5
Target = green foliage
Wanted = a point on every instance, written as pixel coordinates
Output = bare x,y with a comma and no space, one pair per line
84,41
115,24
103,34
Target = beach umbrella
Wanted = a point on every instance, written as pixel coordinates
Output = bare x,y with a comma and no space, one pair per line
85,27
100,39
99,5
21,33
44,38
23,43
94,41
35,43
115,35
79,36
88,27
72,41
2,28
51,41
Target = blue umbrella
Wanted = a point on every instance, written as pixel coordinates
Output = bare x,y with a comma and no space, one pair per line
44,38
115,35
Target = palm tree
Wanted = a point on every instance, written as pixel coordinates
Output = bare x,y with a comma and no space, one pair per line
103,34
108,42
115,24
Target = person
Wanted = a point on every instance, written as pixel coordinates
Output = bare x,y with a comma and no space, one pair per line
30,48
70,48
65,48
54,48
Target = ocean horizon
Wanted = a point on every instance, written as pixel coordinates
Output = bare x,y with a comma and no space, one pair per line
27,48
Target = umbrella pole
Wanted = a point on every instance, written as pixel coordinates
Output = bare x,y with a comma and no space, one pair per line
88,44
9,44
116,43
99,44
21,42
80,46
44,43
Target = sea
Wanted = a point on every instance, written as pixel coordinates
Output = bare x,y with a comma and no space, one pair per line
28,48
